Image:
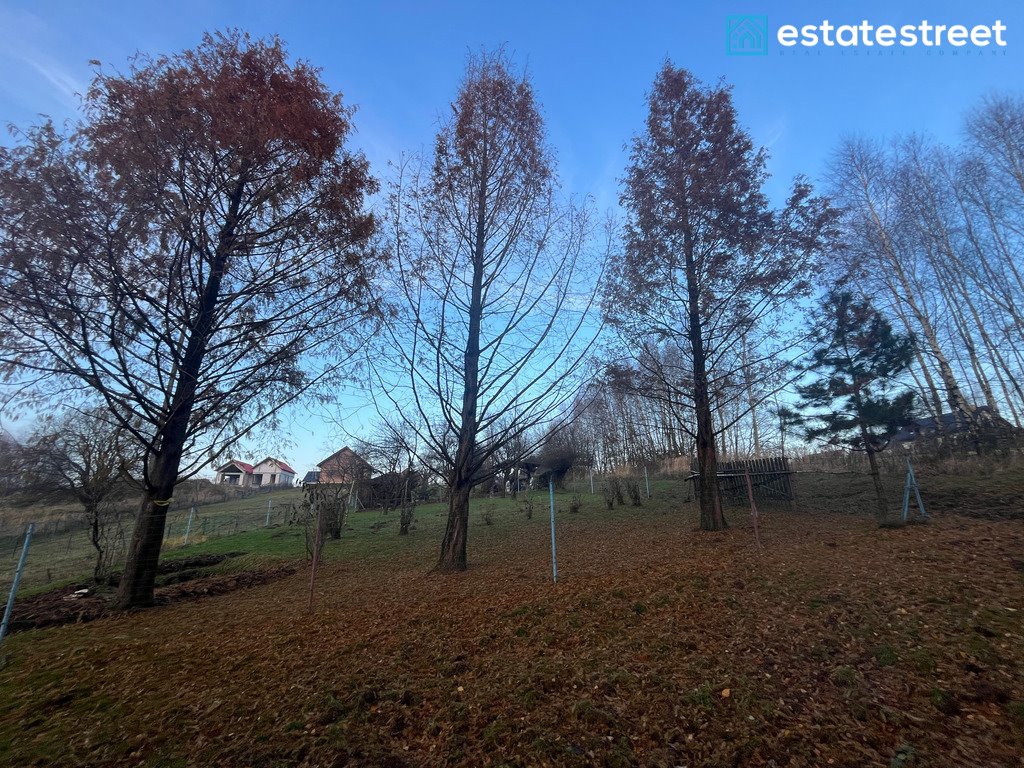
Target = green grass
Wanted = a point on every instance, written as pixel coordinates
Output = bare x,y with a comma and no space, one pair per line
240,526
58,560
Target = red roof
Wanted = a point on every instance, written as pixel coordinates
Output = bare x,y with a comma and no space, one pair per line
279,463
247,468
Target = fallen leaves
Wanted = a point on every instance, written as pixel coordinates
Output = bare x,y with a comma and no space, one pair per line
400,667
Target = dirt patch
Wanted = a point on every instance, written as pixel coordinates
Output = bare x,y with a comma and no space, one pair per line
64,606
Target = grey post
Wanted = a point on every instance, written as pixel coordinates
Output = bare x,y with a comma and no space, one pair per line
591,481
270,503
17,580
911,482
188,526
647,480
554,558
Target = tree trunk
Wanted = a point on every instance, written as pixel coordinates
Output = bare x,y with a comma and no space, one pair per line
136,588
876,476
708,496
453,546
93,515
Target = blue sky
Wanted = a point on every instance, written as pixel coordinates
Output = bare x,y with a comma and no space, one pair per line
591,62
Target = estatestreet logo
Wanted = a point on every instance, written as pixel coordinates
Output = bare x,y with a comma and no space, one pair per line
749,35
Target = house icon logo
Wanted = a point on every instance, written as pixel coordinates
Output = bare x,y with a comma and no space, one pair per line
746,36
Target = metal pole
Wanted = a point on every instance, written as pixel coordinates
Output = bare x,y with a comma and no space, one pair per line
906,495
912,481
188,528
554,558
591,482
269,504
17,580
647,480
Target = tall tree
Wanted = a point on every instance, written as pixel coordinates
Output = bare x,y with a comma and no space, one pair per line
707,259
180,254
494,289
858,360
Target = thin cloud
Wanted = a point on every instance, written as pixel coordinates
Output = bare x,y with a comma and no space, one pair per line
24,42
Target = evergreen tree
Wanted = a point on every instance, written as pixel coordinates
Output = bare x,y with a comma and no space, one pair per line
856,400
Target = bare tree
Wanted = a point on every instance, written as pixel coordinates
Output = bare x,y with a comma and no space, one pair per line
934,233
391,448
494,292
86,455
181,253
707,260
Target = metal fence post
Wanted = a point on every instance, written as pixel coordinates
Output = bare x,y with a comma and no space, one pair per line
591,482
270,503
17,580
554,558
647,480
911,482
188,526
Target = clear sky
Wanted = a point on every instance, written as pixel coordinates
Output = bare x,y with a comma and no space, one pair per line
591,63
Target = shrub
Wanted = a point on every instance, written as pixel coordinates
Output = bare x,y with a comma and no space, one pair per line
633,489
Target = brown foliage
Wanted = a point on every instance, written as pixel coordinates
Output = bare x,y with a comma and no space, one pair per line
707,260
181,253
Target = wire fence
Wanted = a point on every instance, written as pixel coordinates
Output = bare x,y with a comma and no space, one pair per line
63,553
62,549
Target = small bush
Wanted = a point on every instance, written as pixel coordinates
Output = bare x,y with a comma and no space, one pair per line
609,496
633,489
612,490
576,504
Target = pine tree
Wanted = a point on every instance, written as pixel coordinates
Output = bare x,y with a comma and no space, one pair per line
857,401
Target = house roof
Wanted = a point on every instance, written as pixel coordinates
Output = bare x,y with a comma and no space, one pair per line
246,468
950,423
311,477
346,456
279,463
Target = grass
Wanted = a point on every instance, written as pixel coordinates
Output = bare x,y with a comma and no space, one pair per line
67,558
56,561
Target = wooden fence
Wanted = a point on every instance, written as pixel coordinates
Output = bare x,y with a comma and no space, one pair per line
771,479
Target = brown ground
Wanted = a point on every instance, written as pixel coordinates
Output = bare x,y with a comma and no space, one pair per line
61,606
838,644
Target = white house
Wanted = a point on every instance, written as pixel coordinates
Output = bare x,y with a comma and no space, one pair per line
270,471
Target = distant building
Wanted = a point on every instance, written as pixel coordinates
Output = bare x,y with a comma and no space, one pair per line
344,466
268,472
272,471
951,425
235,473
